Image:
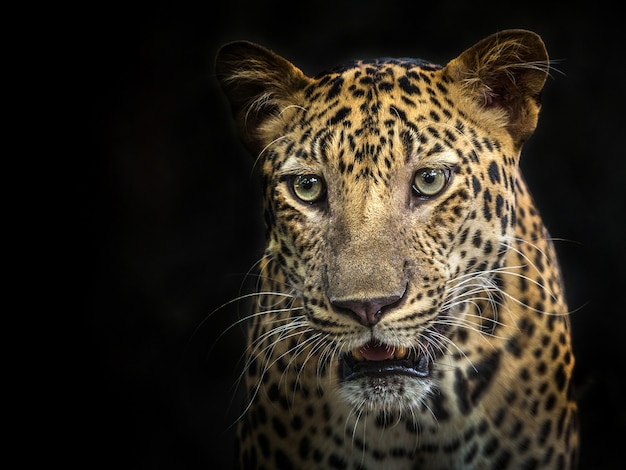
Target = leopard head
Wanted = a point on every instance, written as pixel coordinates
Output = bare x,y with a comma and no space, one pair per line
389,192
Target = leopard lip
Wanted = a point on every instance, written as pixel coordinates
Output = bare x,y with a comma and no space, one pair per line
377,360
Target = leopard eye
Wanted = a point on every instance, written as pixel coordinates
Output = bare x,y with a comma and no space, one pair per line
308,188
429,182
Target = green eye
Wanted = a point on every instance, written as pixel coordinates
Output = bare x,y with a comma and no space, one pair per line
429,182
308,188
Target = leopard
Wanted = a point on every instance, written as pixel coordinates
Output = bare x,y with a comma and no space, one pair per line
409,310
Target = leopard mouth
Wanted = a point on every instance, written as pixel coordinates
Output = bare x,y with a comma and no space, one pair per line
380,360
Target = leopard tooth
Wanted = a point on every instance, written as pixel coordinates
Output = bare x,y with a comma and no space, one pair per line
400,352
356,353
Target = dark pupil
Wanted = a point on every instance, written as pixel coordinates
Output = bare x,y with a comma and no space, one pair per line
307,183
429,176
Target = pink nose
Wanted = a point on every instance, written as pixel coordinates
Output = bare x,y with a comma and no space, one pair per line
367,312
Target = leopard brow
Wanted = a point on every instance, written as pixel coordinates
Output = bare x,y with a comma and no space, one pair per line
418,156
446,159
296,167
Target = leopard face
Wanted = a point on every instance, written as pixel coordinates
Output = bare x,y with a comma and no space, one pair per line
394,210
386,228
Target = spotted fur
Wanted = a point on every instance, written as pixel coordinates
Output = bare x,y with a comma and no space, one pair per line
410,310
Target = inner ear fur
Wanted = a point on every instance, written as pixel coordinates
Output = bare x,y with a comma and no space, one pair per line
258,83
506,70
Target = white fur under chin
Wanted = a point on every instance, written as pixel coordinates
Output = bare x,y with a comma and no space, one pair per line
394,393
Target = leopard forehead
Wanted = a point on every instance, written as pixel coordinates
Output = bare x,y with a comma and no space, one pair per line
369,116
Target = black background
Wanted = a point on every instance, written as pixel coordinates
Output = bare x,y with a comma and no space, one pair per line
174,209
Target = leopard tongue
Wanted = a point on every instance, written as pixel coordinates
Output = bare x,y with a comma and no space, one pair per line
377,352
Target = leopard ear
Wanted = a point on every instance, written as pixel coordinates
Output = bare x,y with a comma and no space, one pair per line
506,71
259,85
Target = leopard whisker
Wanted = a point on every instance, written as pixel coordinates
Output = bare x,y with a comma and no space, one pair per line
328,356
267,352
314,343
311,342
444,342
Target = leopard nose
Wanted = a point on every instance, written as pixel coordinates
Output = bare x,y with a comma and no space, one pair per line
367,312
